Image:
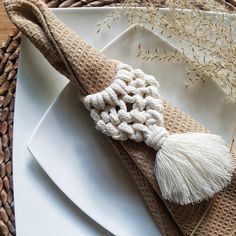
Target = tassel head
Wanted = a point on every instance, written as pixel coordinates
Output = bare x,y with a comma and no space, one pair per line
191,167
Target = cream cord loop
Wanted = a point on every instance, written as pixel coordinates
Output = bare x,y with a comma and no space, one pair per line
189,167
130,108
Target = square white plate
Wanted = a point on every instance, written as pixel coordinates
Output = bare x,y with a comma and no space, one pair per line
39,206
78,158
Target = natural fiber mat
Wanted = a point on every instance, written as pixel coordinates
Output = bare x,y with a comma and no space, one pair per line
9,56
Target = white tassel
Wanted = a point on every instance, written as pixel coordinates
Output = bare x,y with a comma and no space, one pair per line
191,167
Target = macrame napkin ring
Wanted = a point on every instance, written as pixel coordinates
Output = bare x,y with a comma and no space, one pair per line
189,167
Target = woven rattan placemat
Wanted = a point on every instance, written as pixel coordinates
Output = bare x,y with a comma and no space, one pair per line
9,56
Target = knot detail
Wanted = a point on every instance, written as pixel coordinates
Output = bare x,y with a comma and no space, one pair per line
157,138
130,108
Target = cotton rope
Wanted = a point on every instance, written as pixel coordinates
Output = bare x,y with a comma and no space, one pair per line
189,167
130,108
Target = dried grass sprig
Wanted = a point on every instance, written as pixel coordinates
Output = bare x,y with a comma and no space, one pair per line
210,38
196,69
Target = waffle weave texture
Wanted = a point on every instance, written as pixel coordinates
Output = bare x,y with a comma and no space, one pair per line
67,52
92,72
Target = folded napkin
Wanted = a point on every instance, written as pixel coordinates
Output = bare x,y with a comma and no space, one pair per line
94,73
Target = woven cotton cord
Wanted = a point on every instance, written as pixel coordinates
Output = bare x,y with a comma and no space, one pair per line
189,167
130,108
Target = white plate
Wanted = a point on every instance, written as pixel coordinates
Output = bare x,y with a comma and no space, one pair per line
37,201
78,158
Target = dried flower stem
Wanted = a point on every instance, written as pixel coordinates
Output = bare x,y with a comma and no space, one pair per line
233,137
211,37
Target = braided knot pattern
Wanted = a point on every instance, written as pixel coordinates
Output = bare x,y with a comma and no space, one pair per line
130,108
